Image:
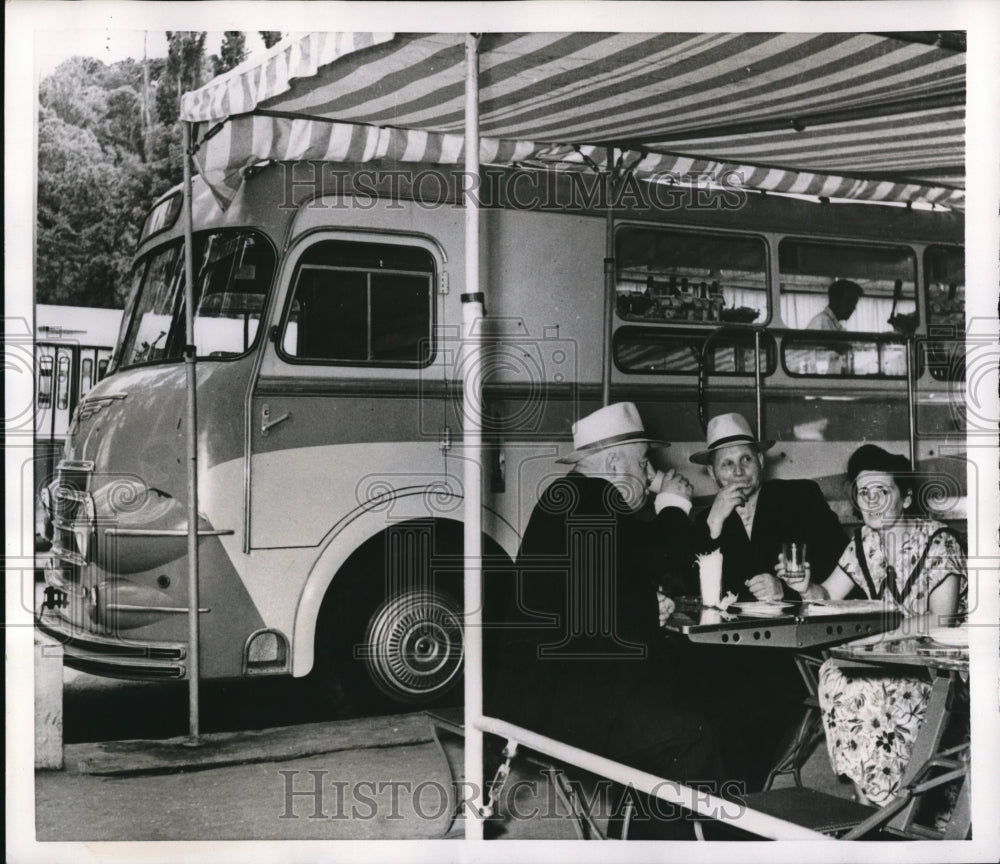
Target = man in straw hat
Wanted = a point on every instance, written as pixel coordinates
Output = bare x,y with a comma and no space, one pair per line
751,694
751,517
583,659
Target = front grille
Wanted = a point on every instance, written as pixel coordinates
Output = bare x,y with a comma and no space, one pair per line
71,511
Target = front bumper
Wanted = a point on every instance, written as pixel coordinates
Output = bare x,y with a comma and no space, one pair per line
111,657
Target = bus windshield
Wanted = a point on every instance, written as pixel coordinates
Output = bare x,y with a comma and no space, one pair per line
233,271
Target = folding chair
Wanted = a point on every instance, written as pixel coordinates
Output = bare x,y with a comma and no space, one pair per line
842,817
809,731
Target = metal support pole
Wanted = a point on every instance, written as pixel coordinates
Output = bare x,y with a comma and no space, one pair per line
609,278
911,406
191,380
757,384
472,406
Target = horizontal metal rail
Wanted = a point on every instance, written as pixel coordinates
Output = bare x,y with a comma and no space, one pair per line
695,800
165,532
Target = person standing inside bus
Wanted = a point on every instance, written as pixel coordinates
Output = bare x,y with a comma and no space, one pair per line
843,296
834,358
754,692
583,659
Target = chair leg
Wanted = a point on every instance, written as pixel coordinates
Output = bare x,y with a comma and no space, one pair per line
807,735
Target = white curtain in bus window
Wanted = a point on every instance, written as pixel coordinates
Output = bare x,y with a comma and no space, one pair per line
233,280
363,304
663,274
944,269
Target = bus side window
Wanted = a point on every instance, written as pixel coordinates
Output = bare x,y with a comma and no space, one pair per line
363,304
944,267
45,382
885,274
86,375
657,351
62,383
663,274
842,355
102,367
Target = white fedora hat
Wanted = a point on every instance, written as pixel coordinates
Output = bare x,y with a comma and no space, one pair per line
727,430
618,423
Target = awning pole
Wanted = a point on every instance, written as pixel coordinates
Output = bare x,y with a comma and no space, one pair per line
609,278
472,404
911,401
190,368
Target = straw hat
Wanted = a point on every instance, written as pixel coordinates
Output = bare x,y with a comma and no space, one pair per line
609,426
725,431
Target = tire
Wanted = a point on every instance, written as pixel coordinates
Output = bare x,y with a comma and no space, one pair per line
413,647
386,642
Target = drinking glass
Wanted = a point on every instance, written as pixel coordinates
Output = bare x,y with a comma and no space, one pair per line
794,555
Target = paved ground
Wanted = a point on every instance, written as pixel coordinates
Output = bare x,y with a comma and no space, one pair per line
384,791
387,792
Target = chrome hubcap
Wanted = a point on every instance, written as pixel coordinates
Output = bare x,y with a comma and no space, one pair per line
413,645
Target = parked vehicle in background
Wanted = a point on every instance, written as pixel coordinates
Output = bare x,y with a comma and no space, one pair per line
73,346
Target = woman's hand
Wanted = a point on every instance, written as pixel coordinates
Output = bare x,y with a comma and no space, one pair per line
799,581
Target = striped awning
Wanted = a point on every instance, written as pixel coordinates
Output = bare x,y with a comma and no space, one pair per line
849,115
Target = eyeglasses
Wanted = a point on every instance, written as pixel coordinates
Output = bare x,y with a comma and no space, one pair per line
875,492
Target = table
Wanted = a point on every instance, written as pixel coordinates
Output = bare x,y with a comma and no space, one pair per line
948,666
800,625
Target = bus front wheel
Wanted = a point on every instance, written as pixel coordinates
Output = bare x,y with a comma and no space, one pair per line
413,648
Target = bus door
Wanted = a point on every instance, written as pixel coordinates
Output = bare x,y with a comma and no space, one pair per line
347,412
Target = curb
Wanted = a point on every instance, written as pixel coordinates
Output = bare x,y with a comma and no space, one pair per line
219,749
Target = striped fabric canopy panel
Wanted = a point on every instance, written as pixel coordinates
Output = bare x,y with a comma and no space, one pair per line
848,115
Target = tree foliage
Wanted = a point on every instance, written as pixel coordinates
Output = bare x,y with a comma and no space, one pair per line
232,52
108,145
270,37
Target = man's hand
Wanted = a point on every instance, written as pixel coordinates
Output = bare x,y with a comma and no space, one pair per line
667,606
670,481
729,498
764,586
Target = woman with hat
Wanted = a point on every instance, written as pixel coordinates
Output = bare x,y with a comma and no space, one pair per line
915,565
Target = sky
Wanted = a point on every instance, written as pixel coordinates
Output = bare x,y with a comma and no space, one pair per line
111,45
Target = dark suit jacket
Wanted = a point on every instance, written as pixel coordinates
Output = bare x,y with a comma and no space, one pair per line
583,633
787,510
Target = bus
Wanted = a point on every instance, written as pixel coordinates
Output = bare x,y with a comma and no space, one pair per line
73,346
329,370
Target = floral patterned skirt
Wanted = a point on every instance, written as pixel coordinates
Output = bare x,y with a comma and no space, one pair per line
871,718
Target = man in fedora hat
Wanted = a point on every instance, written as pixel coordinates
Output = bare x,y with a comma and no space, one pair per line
753,693
751,517
583,659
